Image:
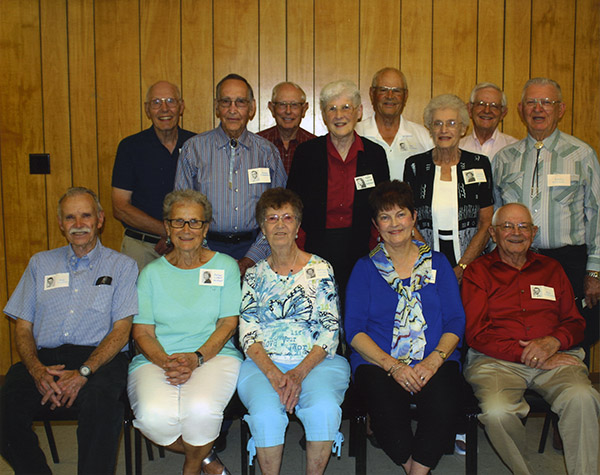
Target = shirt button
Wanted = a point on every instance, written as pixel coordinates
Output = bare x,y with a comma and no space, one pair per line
236,208
523,310
71,311
66,333
75,290
236,190
235,227
522,291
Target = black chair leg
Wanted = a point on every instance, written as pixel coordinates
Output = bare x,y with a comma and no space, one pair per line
471,455
360,445
161,451
547,422
149,449
127,443
51,441
137,437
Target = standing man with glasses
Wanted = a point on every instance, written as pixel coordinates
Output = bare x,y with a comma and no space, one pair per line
232,167
557,176
487,107
523,328
399,137
288,106
144,172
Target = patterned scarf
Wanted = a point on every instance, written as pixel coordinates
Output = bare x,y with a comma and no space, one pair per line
408,341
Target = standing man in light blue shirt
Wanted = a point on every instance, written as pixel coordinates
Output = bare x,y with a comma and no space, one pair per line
73,309
557,176
232,167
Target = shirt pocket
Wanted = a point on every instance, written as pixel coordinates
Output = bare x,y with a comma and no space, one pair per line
101,299
566,195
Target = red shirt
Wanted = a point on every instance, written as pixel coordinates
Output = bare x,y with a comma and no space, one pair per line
272,135
340,184
501,310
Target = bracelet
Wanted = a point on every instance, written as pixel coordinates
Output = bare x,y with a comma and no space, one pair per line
594,274
462,266
393,368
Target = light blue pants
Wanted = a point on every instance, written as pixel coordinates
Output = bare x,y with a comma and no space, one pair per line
318,408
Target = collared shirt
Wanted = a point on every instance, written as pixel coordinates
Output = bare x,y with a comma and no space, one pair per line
209,164
145,167
566,208
272,135
341,184
80,306
504,304
411,139
490,147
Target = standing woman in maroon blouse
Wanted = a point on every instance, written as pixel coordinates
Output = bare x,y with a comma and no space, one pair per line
334,175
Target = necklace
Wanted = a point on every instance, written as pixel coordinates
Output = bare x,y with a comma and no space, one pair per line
293,264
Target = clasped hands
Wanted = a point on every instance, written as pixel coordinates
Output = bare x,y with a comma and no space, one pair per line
179,367
288,386
58,385
413,379
542,353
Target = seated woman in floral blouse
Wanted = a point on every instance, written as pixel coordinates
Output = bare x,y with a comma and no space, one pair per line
289,330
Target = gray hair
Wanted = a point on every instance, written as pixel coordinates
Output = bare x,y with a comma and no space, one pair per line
76,191
339,88
385,70
445,101
485,85
177,91
187,196
497,212
542,82
286,83
237,77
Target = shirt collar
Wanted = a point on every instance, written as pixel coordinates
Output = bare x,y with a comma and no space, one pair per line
492,139
549,142
224,139
88,261
357,146
530,259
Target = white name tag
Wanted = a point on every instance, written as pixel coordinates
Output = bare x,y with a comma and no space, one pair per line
541,292
433,276
212,277
475,175
259,175
316,271
559,179
55,281
364,182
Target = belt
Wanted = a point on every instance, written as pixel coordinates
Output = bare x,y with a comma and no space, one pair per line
141,236
231,238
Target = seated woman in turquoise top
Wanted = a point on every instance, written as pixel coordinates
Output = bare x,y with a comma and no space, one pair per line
189,303
404,319
289,330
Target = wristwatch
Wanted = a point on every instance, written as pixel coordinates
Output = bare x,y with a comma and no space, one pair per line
462,266
200,358
594,273
442,354
85,371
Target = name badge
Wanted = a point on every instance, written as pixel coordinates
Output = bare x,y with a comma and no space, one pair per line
475,175
55,281
559,179
364,182
212,277
432,277
259,175
541,292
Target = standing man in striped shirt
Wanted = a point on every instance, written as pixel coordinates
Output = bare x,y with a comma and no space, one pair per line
73,309
232,167
557,177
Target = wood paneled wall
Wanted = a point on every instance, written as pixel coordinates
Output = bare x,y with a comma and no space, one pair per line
74,73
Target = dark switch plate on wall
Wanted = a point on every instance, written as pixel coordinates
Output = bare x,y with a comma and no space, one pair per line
39,163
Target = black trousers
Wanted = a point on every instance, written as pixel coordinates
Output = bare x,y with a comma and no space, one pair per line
99,411
389,407
573,260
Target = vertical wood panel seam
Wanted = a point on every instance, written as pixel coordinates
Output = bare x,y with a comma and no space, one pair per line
96,100
574,67
503,56
530,37
141,93
286,33
214,83
315,92
69,91
359,42
258,86
477,46
180,85
42,114
432,2
399,58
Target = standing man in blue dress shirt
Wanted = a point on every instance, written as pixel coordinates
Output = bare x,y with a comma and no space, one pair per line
232,167
144,172
557,176
73,309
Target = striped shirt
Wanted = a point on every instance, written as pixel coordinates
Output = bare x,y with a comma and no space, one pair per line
73,300
207,163
566,206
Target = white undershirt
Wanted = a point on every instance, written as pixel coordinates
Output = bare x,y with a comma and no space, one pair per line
444,209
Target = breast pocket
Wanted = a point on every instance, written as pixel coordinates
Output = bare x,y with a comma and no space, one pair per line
567,195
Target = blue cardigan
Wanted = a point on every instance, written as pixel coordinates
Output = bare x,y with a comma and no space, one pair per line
371,307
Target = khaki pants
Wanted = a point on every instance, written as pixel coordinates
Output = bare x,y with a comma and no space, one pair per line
499,386
141,252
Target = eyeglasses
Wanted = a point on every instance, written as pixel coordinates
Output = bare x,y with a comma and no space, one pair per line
239,103
450,124
274,218
179,223
344,109
394,90
545,103
522,227
157,102
494,106
295,106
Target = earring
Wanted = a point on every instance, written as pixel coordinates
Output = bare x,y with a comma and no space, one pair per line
204,243
168,241
378,238
412,233
296,235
